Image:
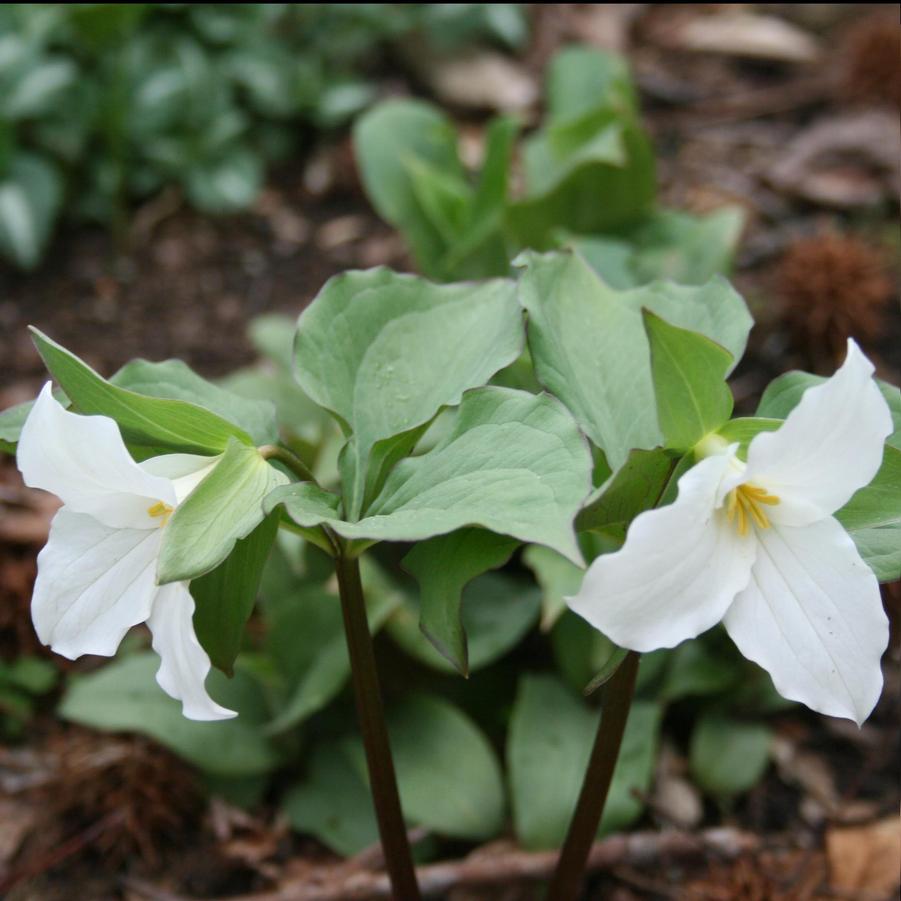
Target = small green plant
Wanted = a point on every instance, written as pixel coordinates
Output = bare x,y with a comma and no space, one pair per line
588,182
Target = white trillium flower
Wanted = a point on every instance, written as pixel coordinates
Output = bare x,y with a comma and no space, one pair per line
755,545
97,574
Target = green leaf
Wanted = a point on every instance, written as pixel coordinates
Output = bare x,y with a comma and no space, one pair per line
305,637
582,653
513,463
389,141
699,668
494,614
635,487
689,372
31,674
589,346
443,566
124,697
175,380
225,507
557,577
551,734
591,168
873,518
449,777
667,244
728,756
745,429
385,352
30,198
785,392
225,597
581,78
333,802
150,421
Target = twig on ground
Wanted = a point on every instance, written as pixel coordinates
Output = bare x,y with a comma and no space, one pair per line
504,868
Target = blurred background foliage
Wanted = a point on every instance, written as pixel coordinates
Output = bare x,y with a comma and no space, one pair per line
105,104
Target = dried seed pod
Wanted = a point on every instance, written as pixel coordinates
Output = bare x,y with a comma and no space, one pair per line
871,71
149,797
833,287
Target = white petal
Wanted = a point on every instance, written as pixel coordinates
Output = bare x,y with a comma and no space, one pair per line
83,460
829,446
186,471
812,617
677,573
94,583
185,664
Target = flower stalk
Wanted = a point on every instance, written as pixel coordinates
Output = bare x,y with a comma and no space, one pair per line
567,879
370,712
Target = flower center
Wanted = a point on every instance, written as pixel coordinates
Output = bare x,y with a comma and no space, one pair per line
746,504
162,510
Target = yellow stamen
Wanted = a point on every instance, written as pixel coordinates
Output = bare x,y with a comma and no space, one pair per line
161,509
746,502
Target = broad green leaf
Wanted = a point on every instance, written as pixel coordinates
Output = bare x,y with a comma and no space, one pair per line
150,421
305,637
514,463
581,652
491,192
388,142
635,487
176,380
689,373
784,393
225,507
699,667
449,777
225,597
744,429
30,197
495,611
606,182
873,518
589,347
591,168
124,697
668,244
728,756
551,734
30,674
385,352
443,566
581,78
445,198
333,803
557,577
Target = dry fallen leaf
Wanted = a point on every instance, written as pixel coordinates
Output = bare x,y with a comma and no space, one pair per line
866,858
737,33
843,161
482,79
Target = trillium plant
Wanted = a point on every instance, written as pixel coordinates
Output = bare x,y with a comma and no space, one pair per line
549,410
